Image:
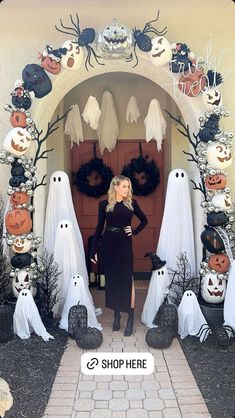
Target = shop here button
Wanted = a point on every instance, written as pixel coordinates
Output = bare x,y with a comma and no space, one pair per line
117,363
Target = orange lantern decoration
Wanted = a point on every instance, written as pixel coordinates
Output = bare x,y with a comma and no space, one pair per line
18,119
50,65
18,221
216,182
19,198
219,262
192,82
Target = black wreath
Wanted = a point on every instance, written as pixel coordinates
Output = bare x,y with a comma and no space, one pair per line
93,178
144,175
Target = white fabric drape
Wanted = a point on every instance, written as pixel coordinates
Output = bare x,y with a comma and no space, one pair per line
155,124
229,307
73,126
108,128
176,234
132,110
91,113
78,292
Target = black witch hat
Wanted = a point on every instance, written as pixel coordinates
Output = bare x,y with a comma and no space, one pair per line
157,263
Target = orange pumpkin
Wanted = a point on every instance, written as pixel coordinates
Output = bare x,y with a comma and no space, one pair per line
192,82
216,181
18,221
50,65
18,198
219,262
18,119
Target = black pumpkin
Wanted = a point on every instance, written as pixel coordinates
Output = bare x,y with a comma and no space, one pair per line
17,180
217,218
159,338
212,240
17,169
89,338
36,80
221,337
210,129
21,101
21,260
77,319
167,317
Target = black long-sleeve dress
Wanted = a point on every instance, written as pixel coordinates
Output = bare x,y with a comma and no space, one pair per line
116,252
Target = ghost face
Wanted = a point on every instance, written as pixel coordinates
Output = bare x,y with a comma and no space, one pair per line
212,98
72,60
222,201
17,141
22,281
161,51
212,288
219,156
21,246
75,280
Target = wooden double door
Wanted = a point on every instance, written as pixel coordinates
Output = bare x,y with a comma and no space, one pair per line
86,207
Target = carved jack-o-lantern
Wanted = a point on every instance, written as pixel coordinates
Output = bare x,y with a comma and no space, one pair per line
19,198
217,218
36,80
219,263
18,119
115,41
216,182
212,240
222,201
18,221
21,261
192,82
17,141
212,98
51,65
21,245
72,60
161,51
22,281
212,288
219,156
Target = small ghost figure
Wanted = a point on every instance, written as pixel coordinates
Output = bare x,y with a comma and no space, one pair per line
156,292
190,317
78,292
91,113
26,318
155,124
132,110
73,126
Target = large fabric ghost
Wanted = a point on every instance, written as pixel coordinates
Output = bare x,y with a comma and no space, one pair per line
70,261
132,110
26,317
59,207
176,234
156,293
73,126
108,128
155,123
91,113
78,292
229,307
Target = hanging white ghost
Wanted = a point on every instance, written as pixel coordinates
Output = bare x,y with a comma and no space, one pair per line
26,318
213,288
21,245
176,234
156,293
73,125
60,206
78,292
155,124
22,280
212,98
219,156
91,113
161,52
190,317
222,201
108,128
72,60
229,305
132,110
17,141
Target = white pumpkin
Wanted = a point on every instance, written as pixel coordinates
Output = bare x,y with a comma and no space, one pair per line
213,289
219,156
161,52
22,281
212,98
17,141
73,58
115,41
222,201
21,246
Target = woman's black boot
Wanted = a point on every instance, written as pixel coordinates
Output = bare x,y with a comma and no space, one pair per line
129,325
116,323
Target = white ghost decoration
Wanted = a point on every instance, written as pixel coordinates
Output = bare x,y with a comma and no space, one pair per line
213,288
222,201
156,292
190,317
60,206
26,318
219,156
91,113
212,98
155,123
17,141
22,280
21,245
161,52
72,60
176,234
108,127
132,110
78,292
73,126
229,305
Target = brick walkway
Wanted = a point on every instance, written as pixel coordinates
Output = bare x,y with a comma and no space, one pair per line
170,392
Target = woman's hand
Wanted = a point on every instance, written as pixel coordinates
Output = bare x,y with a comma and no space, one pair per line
128,230
95,259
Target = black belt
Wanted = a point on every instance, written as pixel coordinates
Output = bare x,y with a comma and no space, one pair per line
114,228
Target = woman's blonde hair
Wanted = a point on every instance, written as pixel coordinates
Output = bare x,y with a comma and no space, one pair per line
127,201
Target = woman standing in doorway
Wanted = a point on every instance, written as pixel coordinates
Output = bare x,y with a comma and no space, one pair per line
116,248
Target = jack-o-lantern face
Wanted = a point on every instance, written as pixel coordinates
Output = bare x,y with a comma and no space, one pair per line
161,51
222,201
212,288
115,41
36,80
72,60
212,98
212,240
18,119
192,82
219,263
18,221
219,156
17,141
21,245
51,65
22,281
216,181
19,198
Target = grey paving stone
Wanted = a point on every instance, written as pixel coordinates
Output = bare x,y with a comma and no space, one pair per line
102,394
135,394
118,385
153,404
84,405
116,405
137,413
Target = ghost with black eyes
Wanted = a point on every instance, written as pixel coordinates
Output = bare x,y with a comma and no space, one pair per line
176,234
161,51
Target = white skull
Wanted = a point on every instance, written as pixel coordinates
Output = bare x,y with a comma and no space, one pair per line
17,141
222,201
212,98
22,281
73,58
21,246
219,155
212,288
161,51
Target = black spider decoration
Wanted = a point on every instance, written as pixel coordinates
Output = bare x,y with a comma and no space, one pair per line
84,38
142,40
